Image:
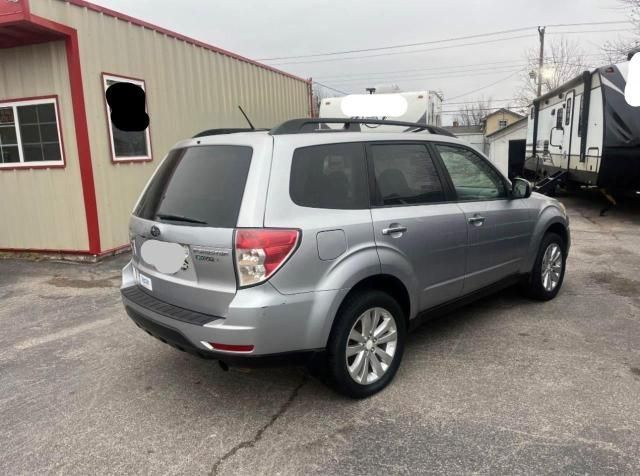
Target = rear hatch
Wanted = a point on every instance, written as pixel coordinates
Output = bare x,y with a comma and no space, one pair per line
182,228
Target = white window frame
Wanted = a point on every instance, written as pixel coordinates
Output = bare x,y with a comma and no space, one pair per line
16,121
137,82
501,121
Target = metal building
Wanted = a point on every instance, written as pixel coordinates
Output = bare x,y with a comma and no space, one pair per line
68,178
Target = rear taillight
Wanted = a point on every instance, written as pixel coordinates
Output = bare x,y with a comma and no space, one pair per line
259,252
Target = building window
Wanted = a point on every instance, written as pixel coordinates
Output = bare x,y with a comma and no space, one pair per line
30,134
502,124
126,146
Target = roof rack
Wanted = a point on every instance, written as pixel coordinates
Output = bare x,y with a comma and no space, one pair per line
300,126
215,132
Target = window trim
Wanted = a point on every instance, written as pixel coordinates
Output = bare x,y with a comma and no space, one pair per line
139,82
505,181
445,181
30,101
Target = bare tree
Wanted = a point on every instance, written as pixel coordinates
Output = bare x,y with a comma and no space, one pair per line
563,61
615,51
320,92
472,114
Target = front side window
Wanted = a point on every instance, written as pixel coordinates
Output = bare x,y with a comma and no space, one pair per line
125,145
30,134
502,124
330,176
405,175
472,177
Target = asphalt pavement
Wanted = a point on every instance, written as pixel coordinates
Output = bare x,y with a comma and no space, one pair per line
504,386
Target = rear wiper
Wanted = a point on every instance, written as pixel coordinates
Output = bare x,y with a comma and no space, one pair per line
168,216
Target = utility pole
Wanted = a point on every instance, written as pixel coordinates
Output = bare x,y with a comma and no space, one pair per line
541,60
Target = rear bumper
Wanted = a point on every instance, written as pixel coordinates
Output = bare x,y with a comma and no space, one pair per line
176,339
286,328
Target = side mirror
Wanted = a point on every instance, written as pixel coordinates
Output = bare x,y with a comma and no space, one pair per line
521,188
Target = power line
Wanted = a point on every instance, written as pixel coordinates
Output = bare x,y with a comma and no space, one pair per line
451,74
407,52
435,68
429,71
475,102
329,87
423,43
395,53
488,85
443,75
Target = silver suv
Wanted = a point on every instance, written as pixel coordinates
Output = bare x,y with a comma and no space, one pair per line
329,245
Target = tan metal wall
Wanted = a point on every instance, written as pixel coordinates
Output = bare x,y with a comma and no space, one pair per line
42,208
189,88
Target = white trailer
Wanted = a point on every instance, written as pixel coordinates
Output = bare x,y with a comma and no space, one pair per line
585,132
423,107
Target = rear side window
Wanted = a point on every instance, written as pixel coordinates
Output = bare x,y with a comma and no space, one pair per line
405,175
329,176
200,185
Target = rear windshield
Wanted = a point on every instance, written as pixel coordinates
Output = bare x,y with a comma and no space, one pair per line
200,185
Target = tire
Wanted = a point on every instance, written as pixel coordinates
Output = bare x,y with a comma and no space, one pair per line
538,285
353,315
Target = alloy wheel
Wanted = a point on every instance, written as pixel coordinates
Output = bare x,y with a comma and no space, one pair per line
371,345
551,267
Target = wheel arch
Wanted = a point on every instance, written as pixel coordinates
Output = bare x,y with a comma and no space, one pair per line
386,283
550,220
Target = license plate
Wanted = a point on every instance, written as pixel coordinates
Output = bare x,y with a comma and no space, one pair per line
145,281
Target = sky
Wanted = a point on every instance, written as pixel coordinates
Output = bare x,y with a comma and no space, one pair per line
494,69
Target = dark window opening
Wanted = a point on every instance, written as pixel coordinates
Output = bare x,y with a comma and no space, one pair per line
330,176
559,118
405,175
39,133
198,185
580,119
128,144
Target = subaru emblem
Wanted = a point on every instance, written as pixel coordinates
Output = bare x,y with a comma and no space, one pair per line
155,231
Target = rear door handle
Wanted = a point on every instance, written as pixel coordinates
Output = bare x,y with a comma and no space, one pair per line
476,220
393,229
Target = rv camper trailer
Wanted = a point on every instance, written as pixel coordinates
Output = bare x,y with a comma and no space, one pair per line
423,107
584,132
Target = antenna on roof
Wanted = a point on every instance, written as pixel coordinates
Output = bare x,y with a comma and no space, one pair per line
247,118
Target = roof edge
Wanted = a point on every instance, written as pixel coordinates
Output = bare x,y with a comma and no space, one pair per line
178,36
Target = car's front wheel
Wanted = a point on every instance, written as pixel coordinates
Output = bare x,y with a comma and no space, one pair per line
548,270
366,344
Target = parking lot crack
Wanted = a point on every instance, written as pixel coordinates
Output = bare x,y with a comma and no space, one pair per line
259,434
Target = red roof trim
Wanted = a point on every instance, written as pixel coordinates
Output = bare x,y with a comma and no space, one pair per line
178,36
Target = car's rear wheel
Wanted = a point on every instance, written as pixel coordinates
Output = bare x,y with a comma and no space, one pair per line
366,344
548,271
